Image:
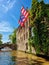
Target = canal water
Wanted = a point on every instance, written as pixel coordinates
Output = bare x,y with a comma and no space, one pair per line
6,58
20,58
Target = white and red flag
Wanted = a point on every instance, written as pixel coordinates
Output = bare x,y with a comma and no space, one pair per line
24,16
21,20
24,12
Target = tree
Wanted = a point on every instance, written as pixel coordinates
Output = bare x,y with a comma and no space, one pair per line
12,37
39,13
34,18
0,38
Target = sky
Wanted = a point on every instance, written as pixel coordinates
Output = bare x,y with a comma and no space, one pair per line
10,14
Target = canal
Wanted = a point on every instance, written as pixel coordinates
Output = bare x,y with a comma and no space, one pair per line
20,58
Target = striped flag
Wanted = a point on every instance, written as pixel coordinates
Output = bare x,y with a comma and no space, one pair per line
24,12
23,17
21,20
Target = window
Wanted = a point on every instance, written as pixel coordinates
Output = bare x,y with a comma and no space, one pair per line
26,46
26,35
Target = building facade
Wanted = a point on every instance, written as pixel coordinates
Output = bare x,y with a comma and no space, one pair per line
22,35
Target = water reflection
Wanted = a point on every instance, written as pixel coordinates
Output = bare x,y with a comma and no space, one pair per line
13,58
7,59
20,58
34,61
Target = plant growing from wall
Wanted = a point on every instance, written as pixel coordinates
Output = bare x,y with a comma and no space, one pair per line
30,40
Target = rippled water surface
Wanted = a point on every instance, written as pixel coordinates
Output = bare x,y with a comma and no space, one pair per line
20,58
6,58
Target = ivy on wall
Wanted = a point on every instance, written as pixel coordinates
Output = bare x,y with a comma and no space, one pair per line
39,15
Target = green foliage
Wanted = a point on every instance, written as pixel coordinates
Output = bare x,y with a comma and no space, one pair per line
39,10
36,39
12,37
43,37
34,8
30,41
0,38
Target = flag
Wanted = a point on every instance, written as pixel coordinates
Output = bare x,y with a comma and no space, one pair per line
21,20
23,17
24,12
